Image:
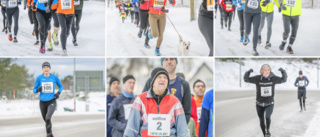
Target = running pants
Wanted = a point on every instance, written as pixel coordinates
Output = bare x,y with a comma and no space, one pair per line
264,113
47,109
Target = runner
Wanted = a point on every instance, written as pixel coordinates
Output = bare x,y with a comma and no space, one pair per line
228,8
25,5
136,13
240,8
130,11
144,19
65,13
156,112
157,20
45,84
252,15
3,11
199,88
291,11
44,17
78,5
114,89
12,11
205,23
302,82
120,107
221,10
265,86
55,24
267,14
206,122
122,13
35,21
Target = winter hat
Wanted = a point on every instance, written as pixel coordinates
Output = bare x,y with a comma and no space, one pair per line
164,58
127,78
113,79
265,66
46,64
157,71
194,84
180,75
300,72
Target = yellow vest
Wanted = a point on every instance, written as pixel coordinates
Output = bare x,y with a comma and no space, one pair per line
292,9
269,7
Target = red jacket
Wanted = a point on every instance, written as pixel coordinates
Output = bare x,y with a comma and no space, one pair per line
146,5
227,5
194,111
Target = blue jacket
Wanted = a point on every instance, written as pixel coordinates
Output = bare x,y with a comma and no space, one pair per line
206,121
14,2
235,2
109,101
52,79
304,81
42,6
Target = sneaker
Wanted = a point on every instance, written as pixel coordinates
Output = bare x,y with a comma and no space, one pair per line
37,43
140,34
229,29
268,45
241,39
245,42
42,50
64,52
50,48
10,37
147,45
158,52
3,29
135,22
15,40
75,42
149,34
255,53
289,50
281,47
268,134
55,39
259,40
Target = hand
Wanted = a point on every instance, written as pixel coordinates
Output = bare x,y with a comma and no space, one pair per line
265,2
34,6
251,70
171,1
57,95
25,7
283,7
48,9
279,9
239,5
39,89
142,1
280,69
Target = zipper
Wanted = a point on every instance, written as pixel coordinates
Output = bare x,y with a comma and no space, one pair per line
158,105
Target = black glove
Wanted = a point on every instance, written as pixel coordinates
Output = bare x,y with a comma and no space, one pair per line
279,9
57,95
34,6
39,89
265,2
25,7
251,70
142,1
19,2
283,7
280,69
48,9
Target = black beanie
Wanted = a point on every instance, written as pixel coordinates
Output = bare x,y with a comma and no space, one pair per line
300,72
127,78
46,64
157,71
198,80
113,79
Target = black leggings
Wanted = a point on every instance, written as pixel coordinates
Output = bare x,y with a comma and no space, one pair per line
30,15
252,18
206,28
76,23
44,21
267,110
35,24
3,11
137,17
13,12
241,20
65,22
228,18
55,18
47,109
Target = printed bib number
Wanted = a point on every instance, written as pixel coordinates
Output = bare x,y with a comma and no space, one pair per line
253,4
66,4
43,1
76,2
228,6
210,5
302,83
13,3
158,4
266,91
291,3
127,109
47,87
199,113
159,124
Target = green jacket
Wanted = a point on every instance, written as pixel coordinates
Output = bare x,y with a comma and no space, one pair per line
78,7
192,128
269,7
293,8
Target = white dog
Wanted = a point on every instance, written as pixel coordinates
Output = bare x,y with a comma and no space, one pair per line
183,48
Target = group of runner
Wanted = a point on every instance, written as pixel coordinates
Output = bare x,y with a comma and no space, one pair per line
254,13
65,13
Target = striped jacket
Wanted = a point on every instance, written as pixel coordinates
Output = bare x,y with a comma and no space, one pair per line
144,105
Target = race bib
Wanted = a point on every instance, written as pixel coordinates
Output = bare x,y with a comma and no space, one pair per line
43,1
243,1
266,91
47,87
125,8
302,83
3,3
199,113
228,6
127,109
158,4
12,3
210,5
291,3
76,2
253,4
66,4
159,124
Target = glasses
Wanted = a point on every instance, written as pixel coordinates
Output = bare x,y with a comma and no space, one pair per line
202,86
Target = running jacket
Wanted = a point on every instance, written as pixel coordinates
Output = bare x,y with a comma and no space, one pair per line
243,2
264,85
293,9
301,83
78,4
207,112
154,10
42,80
43,6
227,5
65,11
269,7
145,104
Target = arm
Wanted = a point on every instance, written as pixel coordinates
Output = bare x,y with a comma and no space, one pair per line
181,124
307,81
277,3
186,100
114,112
146,86
283,78
247,77
234,2
36,86
204,122
295,83
58,82
135,121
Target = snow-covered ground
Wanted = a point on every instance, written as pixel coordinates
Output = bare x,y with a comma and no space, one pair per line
306,44
24,108
122,38
91,36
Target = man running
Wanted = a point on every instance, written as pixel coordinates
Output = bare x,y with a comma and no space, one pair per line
78,5
4,17
144,19
302,82
228,8
12,10
240,8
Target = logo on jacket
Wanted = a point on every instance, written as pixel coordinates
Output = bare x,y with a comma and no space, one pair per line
173,91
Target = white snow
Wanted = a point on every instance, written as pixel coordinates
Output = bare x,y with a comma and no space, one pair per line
123,40
91,36
306,44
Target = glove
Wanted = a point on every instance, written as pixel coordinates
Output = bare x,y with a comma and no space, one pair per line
19,2
251,70
48,9
279,9
39,89
57,95
265,2
25,7
142,1
34,6
171,1
239,5
283,7
280,69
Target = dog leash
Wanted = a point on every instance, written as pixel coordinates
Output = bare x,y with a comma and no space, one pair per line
174,27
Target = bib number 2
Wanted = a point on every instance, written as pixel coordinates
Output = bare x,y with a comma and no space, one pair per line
159,124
